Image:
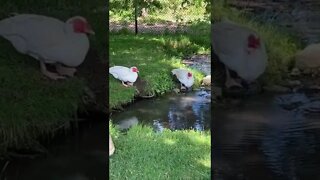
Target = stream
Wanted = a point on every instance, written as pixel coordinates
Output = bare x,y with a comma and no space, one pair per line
268,137
172,111
80,154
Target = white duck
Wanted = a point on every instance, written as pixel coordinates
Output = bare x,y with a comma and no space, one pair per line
184,76
240,49
49,40
124,74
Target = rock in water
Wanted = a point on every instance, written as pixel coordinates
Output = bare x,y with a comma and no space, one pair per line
206,81
308,57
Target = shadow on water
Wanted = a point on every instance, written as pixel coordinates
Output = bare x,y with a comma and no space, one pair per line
174,111
77,155
269,137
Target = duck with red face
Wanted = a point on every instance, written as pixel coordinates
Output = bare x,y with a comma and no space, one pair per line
241,50
49,40
185,78
126,75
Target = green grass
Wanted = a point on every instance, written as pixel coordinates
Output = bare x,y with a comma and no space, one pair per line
281,47
164,12
155,56
144,154
140,152
32,106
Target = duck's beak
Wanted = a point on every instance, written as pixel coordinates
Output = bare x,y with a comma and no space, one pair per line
91,32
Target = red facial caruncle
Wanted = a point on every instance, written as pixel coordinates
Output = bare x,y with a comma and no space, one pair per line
189,74
134,69
253,42
81,26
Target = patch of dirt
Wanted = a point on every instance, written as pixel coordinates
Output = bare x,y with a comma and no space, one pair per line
141,85
147,28
201,62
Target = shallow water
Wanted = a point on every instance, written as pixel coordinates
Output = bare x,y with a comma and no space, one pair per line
261,138
173,111
80,155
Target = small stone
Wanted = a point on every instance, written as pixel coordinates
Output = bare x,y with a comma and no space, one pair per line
307,71
206,81
176,90
294,83
295,72
276,88
308,57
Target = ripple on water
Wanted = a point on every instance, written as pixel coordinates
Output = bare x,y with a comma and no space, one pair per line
183,111
264,139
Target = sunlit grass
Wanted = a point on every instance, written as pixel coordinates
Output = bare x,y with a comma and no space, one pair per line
142,153
155,56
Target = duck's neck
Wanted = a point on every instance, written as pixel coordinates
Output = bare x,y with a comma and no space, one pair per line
68,28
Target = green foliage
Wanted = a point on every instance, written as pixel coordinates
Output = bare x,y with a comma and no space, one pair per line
154,57
182,46
195,41
179,11
144,154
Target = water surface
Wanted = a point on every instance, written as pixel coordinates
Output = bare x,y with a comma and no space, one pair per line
267,137
173,111
80,155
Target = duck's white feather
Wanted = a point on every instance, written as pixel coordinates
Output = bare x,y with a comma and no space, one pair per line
123,74
230,42
45,38
182,76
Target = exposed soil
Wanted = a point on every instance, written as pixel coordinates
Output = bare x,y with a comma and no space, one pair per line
149,28
202,62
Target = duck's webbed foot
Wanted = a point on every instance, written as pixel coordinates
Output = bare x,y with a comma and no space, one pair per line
68,71
230,82
49,74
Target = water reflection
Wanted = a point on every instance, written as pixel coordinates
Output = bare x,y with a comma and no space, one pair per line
175,112
264,139
127,123
78,155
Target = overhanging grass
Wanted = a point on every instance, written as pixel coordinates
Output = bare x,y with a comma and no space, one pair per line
144,154
281,47
155,56
31,105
